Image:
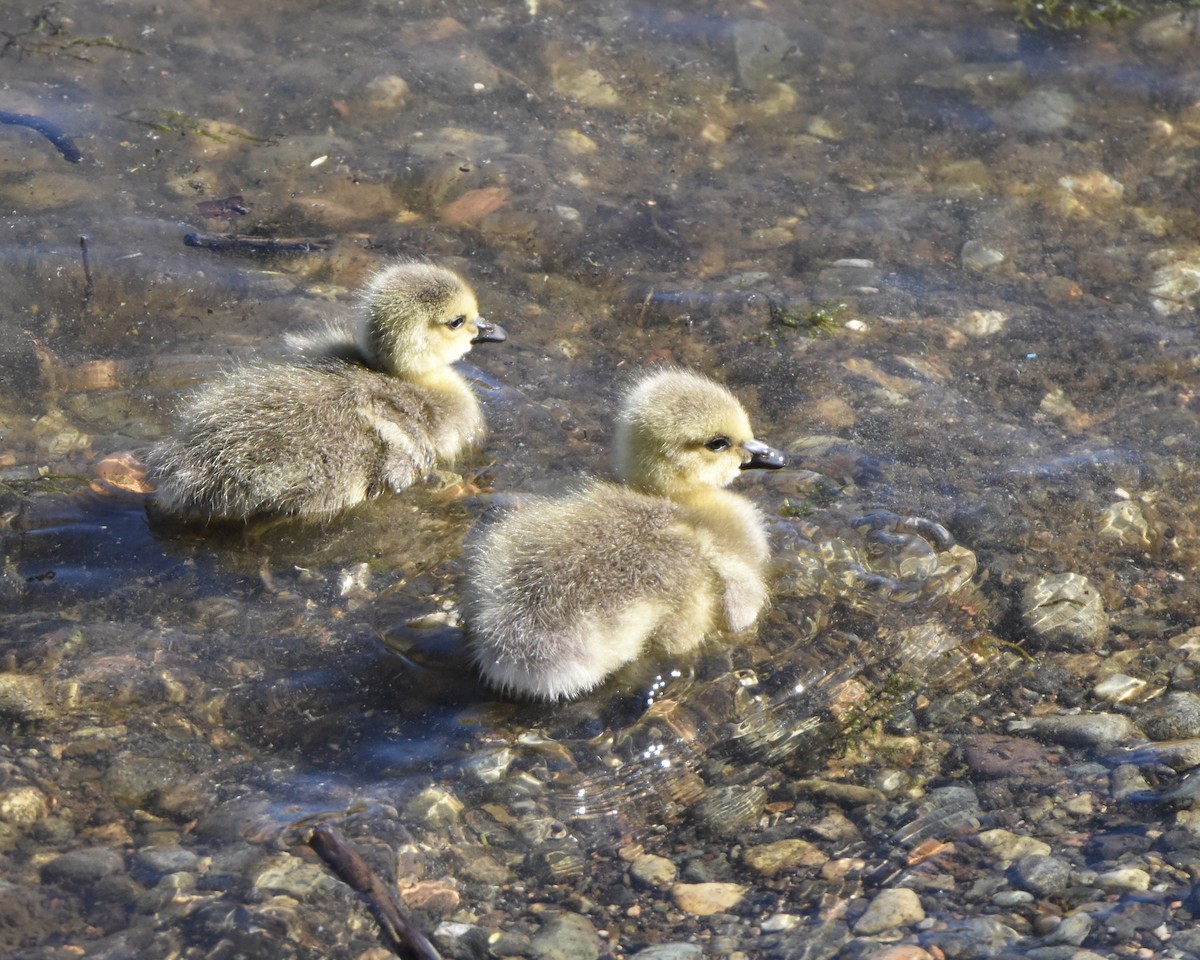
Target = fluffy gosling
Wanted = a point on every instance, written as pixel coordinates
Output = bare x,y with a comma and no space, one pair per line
562,593
351,414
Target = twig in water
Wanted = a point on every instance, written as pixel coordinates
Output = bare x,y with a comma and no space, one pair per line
399,933
89,286
241,243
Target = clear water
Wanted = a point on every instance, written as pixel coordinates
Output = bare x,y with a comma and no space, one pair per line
805,210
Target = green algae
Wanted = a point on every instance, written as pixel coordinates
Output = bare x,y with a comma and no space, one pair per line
1075,14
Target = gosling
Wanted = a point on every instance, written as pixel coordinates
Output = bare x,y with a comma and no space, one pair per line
563,593
348,415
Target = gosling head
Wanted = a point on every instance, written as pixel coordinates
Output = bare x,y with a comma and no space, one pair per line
678,430
419,317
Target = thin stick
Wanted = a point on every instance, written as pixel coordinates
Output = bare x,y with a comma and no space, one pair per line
399,933
89,286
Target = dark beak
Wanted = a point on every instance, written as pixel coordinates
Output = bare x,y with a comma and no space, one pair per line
762,456
488,332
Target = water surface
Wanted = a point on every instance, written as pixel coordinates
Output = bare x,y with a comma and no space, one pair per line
948,262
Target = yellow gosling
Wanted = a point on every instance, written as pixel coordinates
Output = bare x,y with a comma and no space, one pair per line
562,593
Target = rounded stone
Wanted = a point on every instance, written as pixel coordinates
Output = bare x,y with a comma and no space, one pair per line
285,873
434,807
1044,111
83,866
165,860
649,870
760,49
569,936
1065,612
897,907
1011,898
23,697
1123,879
730,811
133,780
705,899
771,859
1041,874
1082,729
978,256
1006,845
669,951
23,806
1073,930
1175,716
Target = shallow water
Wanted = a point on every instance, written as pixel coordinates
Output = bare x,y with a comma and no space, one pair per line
949,263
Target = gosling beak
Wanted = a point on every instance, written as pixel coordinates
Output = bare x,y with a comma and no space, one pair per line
488,332
762,456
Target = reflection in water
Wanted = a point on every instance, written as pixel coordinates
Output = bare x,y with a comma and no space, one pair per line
949,261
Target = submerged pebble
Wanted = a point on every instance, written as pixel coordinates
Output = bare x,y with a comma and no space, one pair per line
1064,611
669,951
705,899
23,697
569,936
976,255
1090,729
782,856
1041,874
730,811
1175,716
1044,111
759,49
889,909
653,871
23,806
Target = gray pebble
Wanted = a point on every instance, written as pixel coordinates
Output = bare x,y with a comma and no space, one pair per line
433,807
978,256
83,866
23,805
759,49
1065,612
891,908
169,896
1073,930
1187,940
649,870
1127,780
508,943
1081,730
1175,716
975,938
569,936
1171,31
1044,111
730,811
1011,898
669,951
1040,874
460,939
23,697
132,780
284,873
166,859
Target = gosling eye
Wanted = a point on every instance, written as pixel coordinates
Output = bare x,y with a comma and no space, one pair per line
717,444
456,322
